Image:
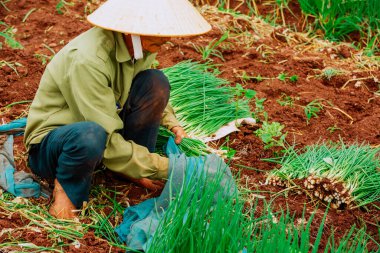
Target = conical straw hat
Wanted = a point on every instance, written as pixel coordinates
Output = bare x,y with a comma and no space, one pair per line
166,18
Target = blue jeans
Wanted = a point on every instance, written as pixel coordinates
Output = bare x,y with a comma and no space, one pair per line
71,153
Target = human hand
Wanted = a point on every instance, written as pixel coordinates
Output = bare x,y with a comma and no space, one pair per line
179,134
149,183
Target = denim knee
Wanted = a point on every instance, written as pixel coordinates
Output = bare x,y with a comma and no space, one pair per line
89,140
155,81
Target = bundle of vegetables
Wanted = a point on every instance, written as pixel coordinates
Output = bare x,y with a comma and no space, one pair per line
343,175
203,102
191,147
203,221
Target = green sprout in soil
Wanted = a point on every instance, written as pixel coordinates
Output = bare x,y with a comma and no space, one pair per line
8,33
43,57
336,173
312,109
211,48
271,134
245,77
284,76
61,6
333,128
329,73
229,152
286,100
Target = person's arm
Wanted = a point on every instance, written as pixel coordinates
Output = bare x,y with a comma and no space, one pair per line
90,98
170,121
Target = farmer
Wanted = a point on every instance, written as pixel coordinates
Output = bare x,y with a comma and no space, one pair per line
98,101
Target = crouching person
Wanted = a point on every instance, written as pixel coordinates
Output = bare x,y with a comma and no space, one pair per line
98,101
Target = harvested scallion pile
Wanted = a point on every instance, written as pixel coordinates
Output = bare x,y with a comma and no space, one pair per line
199,220
191,147
203,102
343,175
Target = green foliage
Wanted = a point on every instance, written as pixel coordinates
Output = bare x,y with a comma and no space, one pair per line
356,166
284,76
8,33
211,48
189,146
43,58
271,134
312,109
333,128
229,152
293,78
61,6
338,18
286,100
203,219
329,73
240,91
203,102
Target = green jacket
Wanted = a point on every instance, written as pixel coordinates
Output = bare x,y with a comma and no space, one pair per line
84,82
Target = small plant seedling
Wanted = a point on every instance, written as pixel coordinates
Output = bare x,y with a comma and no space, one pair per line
61,5
282,77
240,91
210,49
245,77
293,78
230,152
286,100
8,33
312,109
259,103
43,58
333,128
271,134
330,73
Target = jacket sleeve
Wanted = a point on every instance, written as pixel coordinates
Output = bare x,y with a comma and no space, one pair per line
90,98
169,119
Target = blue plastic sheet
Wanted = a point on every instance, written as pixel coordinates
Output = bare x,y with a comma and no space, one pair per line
141,221
16,127
18,183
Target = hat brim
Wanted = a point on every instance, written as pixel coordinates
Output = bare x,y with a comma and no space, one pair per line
165,18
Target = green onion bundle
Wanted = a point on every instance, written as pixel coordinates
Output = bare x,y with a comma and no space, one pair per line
191,147
203,102
336,173
202,220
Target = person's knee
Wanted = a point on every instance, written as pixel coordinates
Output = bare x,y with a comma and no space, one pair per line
156,82
89,140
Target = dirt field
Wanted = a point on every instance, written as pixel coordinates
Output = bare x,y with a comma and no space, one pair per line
351,109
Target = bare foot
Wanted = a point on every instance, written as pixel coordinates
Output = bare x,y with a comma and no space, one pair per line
62,207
